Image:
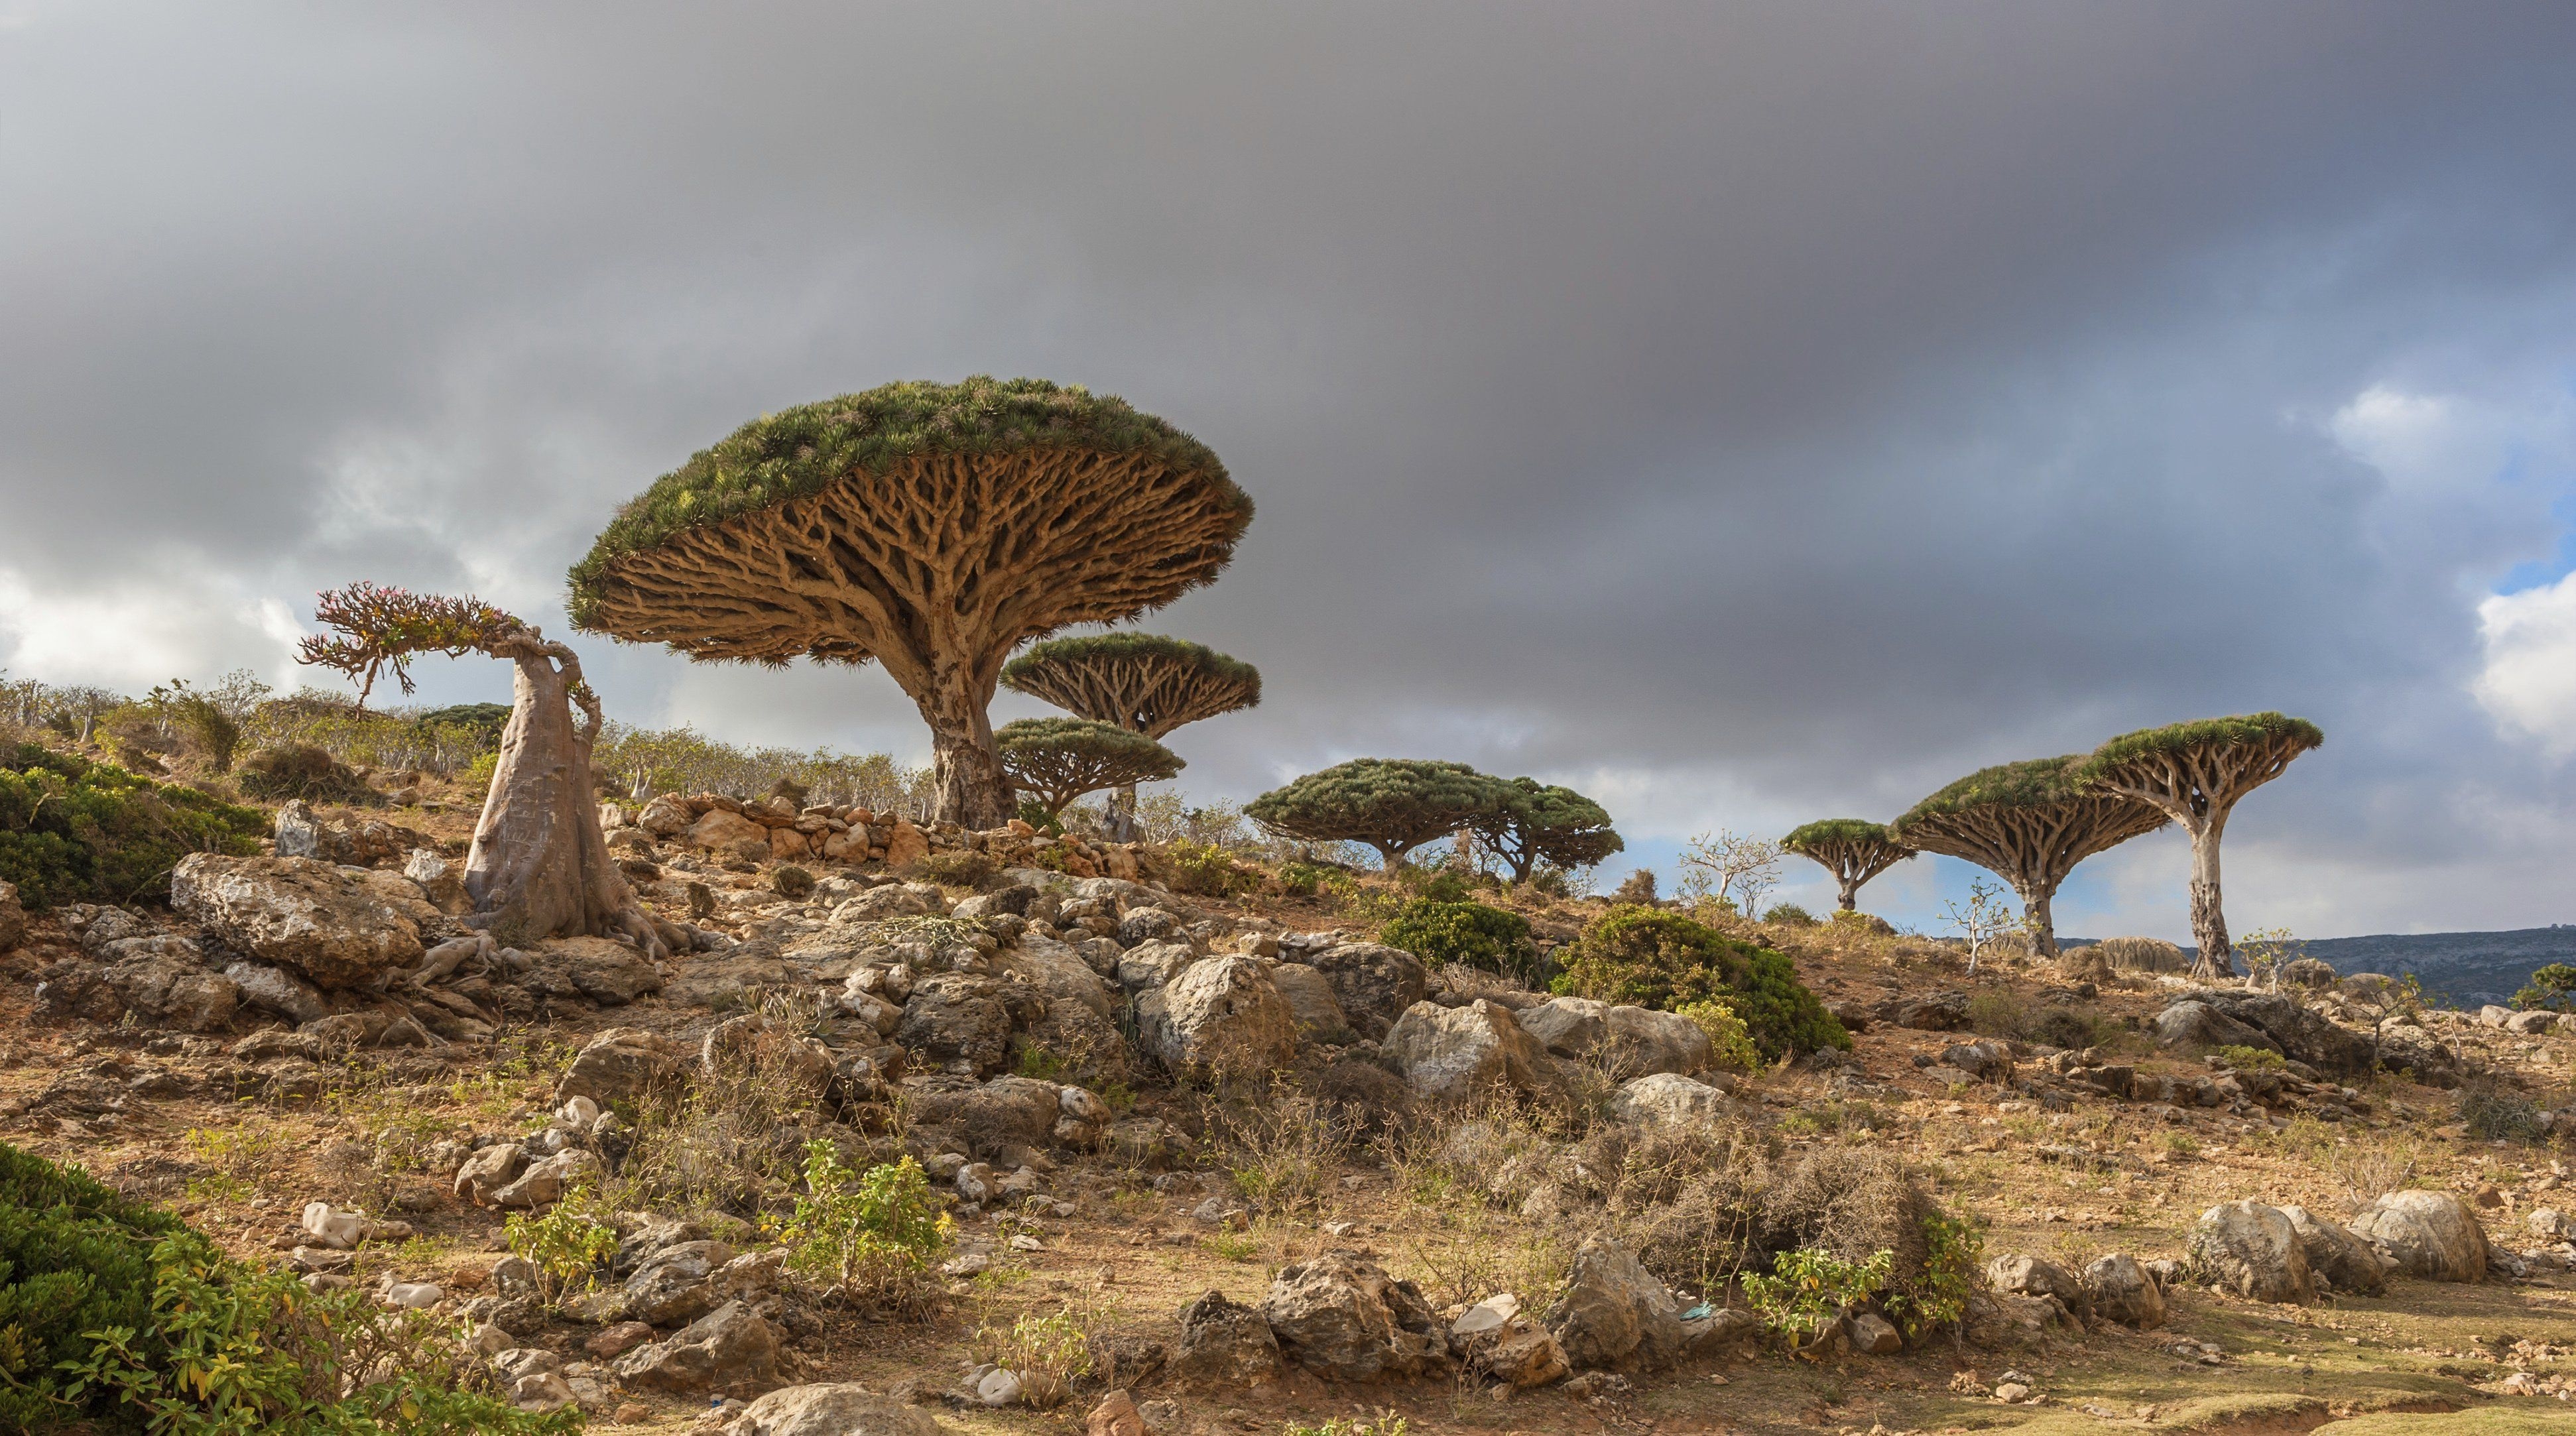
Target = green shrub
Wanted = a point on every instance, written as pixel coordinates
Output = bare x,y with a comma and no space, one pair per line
1789,914
1665,960
2249,1058
1730,1041
874,1234
300,770
1469,934
1204,869
478,774
1954,1252
1048,1353
1035,814
76,831
567,1245
1301,879
2551,989
1809,1290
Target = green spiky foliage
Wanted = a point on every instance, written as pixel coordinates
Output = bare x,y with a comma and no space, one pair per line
1664,960
930,528
2029,823
76,831
1441,931
1542,823
1854,850
1143,682
1392,804
1057,760
2195,773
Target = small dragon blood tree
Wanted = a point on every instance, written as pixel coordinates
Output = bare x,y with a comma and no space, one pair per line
1057,760
2028,823
1142,682
539,866
1854,850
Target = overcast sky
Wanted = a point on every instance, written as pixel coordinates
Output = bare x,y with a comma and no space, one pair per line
1745,413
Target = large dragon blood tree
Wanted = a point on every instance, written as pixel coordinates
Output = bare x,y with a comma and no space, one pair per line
1392,804
931,528
2194,773
1854,850
2029,823
539,866
1542,823
1142,682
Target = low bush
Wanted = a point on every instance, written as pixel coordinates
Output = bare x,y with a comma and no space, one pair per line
76,831
874,1234
2493,1111
2551,989
300,770
567,1245
2249,1058
2142,954
1048,1353
1301,879
1789,914
1205,869
1661,959
1469,934
1809,1290
1730,1041
959,869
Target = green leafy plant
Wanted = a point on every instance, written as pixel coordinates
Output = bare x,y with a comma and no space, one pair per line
2249,1058
76,831
1207,870
1954,1251
567,1245
2551,989
1302,879
1789,914
1729,1040
1808,1290
874,1234
1662,959
1048,1353
1469,934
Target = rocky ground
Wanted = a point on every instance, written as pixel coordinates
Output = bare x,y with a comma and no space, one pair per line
1268,1172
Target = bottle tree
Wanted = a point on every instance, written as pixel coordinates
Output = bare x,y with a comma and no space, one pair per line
539,866
1392,804
1142,682
1541,823
930,528
1057,760
1854,850
2195,773
2028,823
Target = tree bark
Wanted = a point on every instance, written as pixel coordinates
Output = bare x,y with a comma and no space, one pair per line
1123,825
1849,899
2217,956
539,866
974,792
2040,923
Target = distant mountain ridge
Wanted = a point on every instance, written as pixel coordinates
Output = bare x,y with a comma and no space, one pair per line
2461,969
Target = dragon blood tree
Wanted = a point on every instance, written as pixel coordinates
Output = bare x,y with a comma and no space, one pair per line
539,866
2029,823
1854,850
2194,773
1056,760
1541,823
1392,804
931,528
1143,682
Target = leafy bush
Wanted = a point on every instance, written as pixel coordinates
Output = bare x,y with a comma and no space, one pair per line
2551,989
873,1233
1954,1252
1469,934
1808,1290
76,831
1301,879
1204,869
1665,960
1854,920
1789,914
300,770
2249,1058
1638,887
1048,1353
1731,1043
566,1245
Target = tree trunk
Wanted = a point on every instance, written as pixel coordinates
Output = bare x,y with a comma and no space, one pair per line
1123,825
2217,957
2040,924
539,866
974,792
1849,898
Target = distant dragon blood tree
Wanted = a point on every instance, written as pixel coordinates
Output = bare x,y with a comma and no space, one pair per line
1392,804
1142,682
1057,760
539,866
2029,823
1541,823
1854,850
2194,773
931,528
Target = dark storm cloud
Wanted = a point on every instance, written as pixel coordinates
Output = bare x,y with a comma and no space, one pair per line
1761,410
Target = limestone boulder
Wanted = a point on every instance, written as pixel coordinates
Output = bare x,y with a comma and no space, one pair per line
606,972
1007,1111
1224,1346
338,927
2124,1291
1642,1042
957,1019
719,830
1497,1340
483,1175
1149,966
882,904
2192,1023
1341,1316
672,1287
1375,984
2342,1259
1614,1314
729,1348
1060,975
1318,1012
623,1064
1222,1015
2024,1275
1459,1052
2433,1236
276,990
665,817
839,1408
546,1182
1668,1100
1568,1026
2252,1250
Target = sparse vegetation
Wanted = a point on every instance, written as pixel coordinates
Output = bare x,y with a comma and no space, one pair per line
1668,961
873,1234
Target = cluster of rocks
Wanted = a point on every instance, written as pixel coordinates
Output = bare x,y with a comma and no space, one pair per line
2289,1254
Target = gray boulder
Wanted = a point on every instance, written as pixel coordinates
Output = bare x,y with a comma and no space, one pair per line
2023,1275
276,990
1568,1026
1375,984
1310,997
1060,975
2252,1250
2124,1291
2430,1235
2342,1259
2190,1022
1153,965
1642,1042
339,927
1340,1315
1004,1112
1613,1313
1224,1015
727,1349
671,1288
840,1408
1666,1099
1224,1346
1461,1052
622,1064
957,1018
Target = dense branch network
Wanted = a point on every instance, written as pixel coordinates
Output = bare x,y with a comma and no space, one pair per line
1542,823
1854,850
1057,760
1392,804
1143,682
2029,823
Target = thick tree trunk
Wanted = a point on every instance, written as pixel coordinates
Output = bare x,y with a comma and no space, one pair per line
974,792
2040,923
1123,826
539,866
2217,956
1849,897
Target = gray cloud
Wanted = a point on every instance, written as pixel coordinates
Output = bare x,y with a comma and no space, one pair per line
1753,412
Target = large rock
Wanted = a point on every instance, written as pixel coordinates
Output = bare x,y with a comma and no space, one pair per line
2252,1250
1152,965
720,830
1342,1316
549,1181
1498,1341
1224,1346
956,1019
2334,1253
1459,1052
2123,1291
1059,973
1222,1016
664,817
1931,1012
277,990
483,1176
340,927
2023,1275
1613,1313
840,1408
882,904
2430,1235
1568,1026
672,1286
607,972
2230,1017
623,1064
1666,1099
727,1349
1375,984
2190,1023
1310,997
1642,1042
1004,1112
1085,1046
